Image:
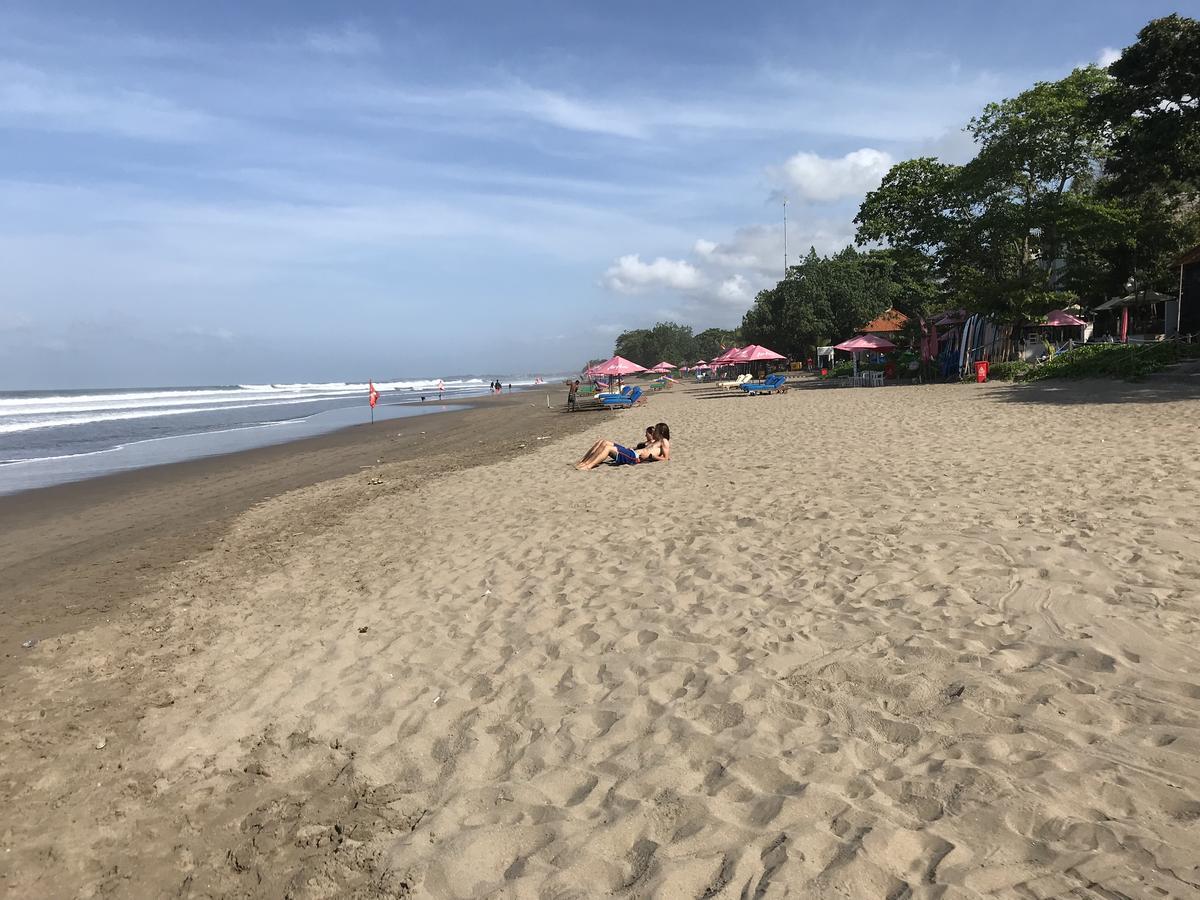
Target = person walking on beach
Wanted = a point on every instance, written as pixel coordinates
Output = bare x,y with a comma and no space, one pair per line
572,394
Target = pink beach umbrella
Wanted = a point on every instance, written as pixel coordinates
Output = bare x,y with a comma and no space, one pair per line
857,345
618,366
757,353
662,365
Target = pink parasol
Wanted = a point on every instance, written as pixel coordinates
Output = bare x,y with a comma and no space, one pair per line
1058,317
662,365
756,353
929,343
857,345
618,366
865,342
727,357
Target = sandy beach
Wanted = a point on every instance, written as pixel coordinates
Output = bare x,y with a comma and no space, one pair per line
929,642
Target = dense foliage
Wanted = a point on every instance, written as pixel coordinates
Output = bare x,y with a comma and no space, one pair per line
824,298
673,343
1113,360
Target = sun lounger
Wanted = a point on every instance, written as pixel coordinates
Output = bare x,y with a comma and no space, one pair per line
737,382
608,395
622,400
772,384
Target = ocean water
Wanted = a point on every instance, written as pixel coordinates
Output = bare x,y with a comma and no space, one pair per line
50,437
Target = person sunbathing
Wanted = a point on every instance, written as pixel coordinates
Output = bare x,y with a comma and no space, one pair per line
603,451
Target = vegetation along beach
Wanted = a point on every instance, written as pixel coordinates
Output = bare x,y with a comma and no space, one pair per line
724,451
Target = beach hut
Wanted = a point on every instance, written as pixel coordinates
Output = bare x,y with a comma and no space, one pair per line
1147,319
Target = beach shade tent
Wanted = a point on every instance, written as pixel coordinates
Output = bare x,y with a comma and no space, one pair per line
662,365
865,342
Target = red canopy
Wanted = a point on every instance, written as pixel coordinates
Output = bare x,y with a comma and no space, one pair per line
865,342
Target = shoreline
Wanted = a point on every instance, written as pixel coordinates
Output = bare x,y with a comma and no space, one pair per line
74,553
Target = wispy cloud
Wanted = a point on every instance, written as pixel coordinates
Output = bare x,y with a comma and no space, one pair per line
31,98
347,39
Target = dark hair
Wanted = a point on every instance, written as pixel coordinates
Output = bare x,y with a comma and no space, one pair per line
663,432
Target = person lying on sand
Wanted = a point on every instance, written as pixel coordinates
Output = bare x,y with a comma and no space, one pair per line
650,438
602,450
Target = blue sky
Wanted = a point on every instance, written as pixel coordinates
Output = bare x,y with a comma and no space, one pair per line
283,191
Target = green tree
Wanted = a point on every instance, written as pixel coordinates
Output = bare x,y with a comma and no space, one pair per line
668,341
995,231
822,298
1155,102
712,342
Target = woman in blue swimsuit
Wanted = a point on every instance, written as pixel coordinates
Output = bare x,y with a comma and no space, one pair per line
603,451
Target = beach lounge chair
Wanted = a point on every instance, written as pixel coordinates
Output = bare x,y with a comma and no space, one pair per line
622,400
608,395
735,383
770,385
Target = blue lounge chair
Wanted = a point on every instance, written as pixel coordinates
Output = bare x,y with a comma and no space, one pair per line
770,385
602,395
622,400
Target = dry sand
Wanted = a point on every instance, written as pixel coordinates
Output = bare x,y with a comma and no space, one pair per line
902,642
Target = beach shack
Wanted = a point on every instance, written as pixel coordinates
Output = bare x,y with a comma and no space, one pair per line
886,324
1185,317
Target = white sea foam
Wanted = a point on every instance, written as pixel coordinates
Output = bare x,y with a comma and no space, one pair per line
32,413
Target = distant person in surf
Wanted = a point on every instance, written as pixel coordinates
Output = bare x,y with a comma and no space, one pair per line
605,451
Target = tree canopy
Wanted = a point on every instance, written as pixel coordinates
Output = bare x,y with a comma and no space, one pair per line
672,342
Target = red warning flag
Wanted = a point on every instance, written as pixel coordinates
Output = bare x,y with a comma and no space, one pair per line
373,395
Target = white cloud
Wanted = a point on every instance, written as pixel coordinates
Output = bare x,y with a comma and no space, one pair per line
821,180
748,250
1107,57
735,290
629,274
345,40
